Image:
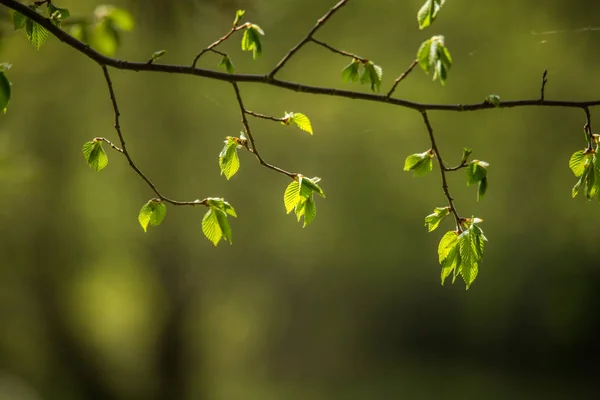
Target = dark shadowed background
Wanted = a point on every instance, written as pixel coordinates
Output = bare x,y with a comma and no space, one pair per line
350,307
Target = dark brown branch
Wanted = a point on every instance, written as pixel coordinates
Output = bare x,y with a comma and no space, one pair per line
307,38
263,116
254,150
216,43
544,81
269,80
443,170
588,128
123,148
341,52
402,76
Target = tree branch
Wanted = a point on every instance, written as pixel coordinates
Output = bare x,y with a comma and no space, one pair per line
443,170
307,38
124,151
216,43
402,76
251,137
341,52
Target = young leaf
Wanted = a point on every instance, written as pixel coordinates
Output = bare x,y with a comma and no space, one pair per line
428,12
95,155
158,54
482,188
466,153
61,13
36,34
4,91
476,171
105,37
432,221
419,163
227,64
229,163
120,18
434,55
251,40
493,99
302,122
152,213
310,211
447,243
211,227
238,17
350,71
18,20
220,204
291,196
372,74
578,162
311,185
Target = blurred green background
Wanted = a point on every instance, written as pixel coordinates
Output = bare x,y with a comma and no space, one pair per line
350,307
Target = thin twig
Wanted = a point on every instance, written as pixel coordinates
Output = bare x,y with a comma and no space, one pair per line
251,137
443,170
333,49
216,43
263,116
401,77
123,148
306,39
588,128
544,81
269,80
111,144
456,168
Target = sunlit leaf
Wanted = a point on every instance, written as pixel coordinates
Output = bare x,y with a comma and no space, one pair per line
229,162
419,163
350,71
432,221
239,15
482,188
428,12
227,64
211,227
302,122
152,213
18,20
310,211
95,155
251,40
578,162
476,171
36,33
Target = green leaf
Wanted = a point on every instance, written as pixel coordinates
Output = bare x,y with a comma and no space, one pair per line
229,162
476,171
578,162
579,183
434,56
120,18
158,54
4,91
105,38
466,153
350,71
493,99
227,64
311,184
152,213
95,155
428,12
291,196
251,40
224,225
19,20
419,163
447,243
57,14
592,182
482,188
310,211
239,15
220,204
211,226
302,122
372,74
36,34
432,221
451,263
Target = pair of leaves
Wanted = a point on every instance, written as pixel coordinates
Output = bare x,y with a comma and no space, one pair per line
105,34
95,155
461,252
432,221
215,224
419,163
36,33
428,12
152,213
299,119
5,87
227,64
229,162
585,165
477,173
434,56
298,196
365,72
251,40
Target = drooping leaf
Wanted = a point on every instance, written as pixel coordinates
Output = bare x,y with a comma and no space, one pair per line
447,243
18,20
119,17
578,162
476,171
152,213
350,71
291,196
105,37
310,211
432,221
434,56
419,163
36,33
251,40
211,227
428,12
227,64
482,188
95,155
372,74
224,225
229,163
5,90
